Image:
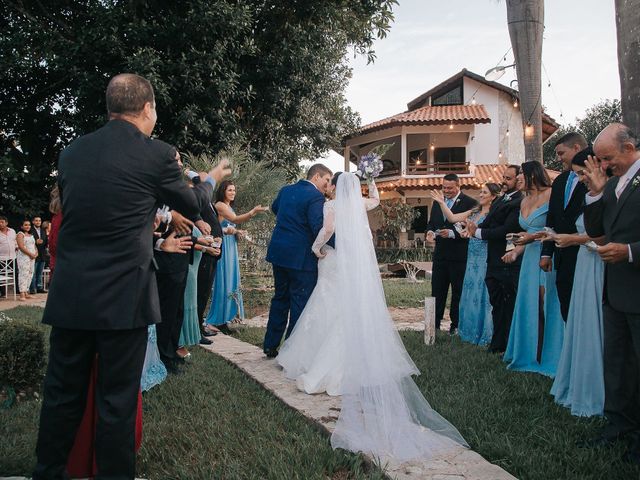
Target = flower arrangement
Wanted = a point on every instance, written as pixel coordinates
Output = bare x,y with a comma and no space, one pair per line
370,164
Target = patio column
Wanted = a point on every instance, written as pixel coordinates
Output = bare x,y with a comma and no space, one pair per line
347,154
403,152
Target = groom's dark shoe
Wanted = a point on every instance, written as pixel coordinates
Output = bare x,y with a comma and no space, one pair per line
271,353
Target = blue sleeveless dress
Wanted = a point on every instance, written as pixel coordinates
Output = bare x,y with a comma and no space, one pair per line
226,297
535,346
475,325
579,382
190,333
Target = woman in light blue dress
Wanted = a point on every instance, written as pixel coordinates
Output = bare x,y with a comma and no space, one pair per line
153,371
190,332
475,324
579,382
226,295
537,328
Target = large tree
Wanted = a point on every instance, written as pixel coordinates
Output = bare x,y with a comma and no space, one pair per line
526,26
595,118
628,30
266,74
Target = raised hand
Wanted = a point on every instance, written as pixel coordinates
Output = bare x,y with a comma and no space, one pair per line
436,195
220,171
597,178
180,224
173,244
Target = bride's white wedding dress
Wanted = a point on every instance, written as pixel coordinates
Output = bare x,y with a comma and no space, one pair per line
344,343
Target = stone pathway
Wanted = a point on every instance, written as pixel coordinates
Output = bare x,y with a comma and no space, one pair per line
37,300
322,409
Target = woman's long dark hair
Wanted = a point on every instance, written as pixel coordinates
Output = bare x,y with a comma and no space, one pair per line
535,176
222,190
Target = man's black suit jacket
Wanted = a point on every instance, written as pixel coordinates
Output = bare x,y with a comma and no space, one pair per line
503,218
210,215
450,249
619,221
112,181
42,248
563,220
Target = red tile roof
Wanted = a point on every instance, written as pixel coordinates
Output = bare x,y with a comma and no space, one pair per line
482,175
430,115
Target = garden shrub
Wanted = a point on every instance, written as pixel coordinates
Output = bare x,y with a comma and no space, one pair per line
22,354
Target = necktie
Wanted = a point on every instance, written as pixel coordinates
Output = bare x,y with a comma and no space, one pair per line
621,186
567,188
449,202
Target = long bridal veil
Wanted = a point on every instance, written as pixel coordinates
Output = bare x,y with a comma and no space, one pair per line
383,412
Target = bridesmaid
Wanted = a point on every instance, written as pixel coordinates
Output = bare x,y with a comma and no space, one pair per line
579,382
26,259
537,328
190,332
226,297
475,310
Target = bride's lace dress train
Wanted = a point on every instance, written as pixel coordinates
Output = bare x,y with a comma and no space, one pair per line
345,344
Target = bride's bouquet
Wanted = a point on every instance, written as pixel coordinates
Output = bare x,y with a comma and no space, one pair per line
370,165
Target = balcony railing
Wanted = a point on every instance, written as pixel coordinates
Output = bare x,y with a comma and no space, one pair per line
438,168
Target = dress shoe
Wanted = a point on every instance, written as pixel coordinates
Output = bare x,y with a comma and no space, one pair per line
209,333
271,353
205,341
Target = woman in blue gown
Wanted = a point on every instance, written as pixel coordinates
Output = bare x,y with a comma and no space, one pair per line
579,382
190,332
226,295
537,328
475,325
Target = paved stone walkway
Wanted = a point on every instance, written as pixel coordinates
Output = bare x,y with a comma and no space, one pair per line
463,464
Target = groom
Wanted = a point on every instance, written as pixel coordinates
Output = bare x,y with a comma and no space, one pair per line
298,210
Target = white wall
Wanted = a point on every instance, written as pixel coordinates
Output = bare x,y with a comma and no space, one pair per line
484,148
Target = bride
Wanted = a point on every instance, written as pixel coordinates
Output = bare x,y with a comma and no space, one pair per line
345,343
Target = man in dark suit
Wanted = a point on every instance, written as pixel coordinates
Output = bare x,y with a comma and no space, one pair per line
207,267
299,215
501,278
613,210
40,237
565,206
104,293
450,253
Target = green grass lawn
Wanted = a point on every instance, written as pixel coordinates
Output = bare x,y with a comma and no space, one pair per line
221,424
508,417
211,422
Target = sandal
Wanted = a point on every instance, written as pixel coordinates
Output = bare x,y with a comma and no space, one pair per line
210,330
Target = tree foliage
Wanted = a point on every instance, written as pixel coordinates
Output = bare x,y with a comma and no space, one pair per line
268,75
590,125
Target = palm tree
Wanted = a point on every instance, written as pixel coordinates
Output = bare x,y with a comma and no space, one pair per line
526,26
628,30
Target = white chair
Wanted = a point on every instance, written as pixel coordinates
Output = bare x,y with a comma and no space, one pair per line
8,275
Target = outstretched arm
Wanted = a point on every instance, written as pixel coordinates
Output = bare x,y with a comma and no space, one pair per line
225,211
325,233
437,196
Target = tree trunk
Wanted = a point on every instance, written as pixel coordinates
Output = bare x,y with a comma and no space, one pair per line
526,26
628,32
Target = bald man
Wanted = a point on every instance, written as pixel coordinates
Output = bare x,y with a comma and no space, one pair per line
613,210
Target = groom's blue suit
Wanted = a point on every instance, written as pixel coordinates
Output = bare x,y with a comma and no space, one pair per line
298,210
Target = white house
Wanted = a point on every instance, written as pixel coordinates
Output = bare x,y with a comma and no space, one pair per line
465,125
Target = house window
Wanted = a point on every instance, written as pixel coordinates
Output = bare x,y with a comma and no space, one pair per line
449,155
419,225
453,96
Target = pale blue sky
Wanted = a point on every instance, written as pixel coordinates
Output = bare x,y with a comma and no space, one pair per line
431,40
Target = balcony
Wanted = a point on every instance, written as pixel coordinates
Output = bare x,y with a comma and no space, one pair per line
438,168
